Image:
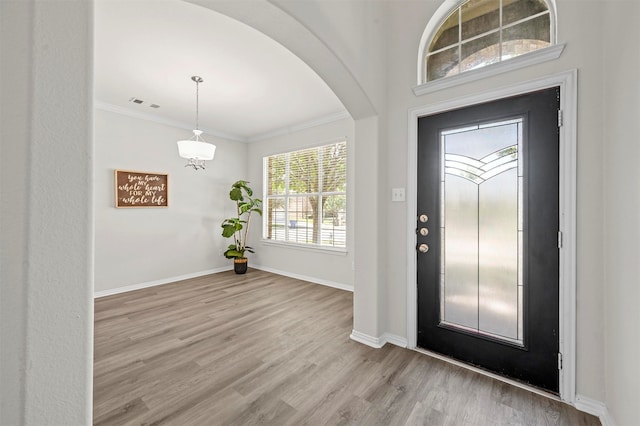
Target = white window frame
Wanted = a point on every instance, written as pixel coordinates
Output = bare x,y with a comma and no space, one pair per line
287,196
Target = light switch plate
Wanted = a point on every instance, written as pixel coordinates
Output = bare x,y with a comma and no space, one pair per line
397,195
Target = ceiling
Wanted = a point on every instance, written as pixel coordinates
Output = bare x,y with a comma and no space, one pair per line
253,87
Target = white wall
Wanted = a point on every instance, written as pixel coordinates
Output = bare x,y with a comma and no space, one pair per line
355,34
355,31
14,220
333,268
577,21
621,151
46,217
141,245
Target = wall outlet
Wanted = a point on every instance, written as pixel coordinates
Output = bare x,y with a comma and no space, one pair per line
397,195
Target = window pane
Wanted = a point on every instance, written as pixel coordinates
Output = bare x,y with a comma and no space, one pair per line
480,52
303,221
442,64
305,196
447,33
479,17
515,10
477,29
276,172
526,37
334,168
334,220
275,219
303,171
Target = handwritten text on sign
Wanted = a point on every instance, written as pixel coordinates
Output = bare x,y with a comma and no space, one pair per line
141,189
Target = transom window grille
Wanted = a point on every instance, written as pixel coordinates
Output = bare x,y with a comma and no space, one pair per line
482,32
305,196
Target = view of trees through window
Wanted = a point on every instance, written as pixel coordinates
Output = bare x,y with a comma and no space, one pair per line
305,196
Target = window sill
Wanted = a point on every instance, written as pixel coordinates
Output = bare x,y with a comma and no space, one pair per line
523,61
317,249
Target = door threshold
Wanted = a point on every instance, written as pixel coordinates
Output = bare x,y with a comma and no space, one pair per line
488,374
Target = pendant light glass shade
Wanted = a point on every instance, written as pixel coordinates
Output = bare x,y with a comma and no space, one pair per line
196,150
196,147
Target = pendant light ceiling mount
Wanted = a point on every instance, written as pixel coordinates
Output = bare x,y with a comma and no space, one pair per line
196,150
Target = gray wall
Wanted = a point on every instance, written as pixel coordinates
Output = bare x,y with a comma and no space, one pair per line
332,268
135,246
46,216
620,150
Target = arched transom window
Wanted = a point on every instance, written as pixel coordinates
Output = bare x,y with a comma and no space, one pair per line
478,33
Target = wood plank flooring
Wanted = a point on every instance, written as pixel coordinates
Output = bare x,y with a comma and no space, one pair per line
262,349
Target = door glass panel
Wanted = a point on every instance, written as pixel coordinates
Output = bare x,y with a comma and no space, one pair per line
481,235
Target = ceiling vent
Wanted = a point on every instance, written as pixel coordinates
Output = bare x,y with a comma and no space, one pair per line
140,101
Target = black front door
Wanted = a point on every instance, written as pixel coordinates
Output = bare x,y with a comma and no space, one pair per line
488,221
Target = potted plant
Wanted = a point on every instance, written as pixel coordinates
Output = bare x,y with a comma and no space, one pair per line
238,227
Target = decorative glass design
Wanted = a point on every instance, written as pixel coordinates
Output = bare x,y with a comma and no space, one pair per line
482,230
482,32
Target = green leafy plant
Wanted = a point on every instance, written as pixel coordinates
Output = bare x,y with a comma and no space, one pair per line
238,227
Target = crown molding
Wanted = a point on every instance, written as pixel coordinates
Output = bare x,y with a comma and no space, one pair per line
301,126
104,106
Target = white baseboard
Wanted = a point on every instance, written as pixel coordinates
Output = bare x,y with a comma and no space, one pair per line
378,342
314,280
365,339
597,408
118,290
394,339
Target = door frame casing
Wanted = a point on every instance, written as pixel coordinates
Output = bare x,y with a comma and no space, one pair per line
567,81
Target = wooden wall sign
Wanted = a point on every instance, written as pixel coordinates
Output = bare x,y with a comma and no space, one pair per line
141,189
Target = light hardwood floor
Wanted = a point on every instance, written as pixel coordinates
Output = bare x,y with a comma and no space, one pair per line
259,348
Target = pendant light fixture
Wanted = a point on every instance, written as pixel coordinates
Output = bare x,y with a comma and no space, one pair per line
196,150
